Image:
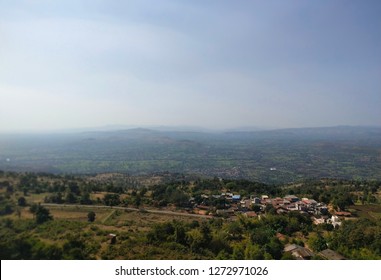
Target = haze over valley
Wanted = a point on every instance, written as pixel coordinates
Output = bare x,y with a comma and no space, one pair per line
270,156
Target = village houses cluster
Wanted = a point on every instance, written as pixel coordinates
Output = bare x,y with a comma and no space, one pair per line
231,204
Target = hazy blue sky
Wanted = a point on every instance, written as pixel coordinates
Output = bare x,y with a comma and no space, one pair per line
215,64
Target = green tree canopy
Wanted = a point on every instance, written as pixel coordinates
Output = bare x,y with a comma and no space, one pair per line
42,215
91,216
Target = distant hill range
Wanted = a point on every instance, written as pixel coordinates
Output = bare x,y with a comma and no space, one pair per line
270,156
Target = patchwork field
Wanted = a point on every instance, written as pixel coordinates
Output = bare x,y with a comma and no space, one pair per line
370,211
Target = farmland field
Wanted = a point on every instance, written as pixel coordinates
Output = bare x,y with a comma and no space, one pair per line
275,156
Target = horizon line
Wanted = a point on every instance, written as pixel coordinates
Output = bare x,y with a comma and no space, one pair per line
174,128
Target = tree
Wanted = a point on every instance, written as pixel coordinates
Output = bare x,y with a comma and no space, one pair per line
274,248
342,201
42,215
238,252
58,198
75,248
195,240
111,199
85,198
316,242
220,243
74,188
21,201
8,223
253,252
199,238
179,235
143,191
10,189
261,235
33,208
91,216
287,256
137,201
70,197
234,230
160,232
270,209
179,198
206,233
6,209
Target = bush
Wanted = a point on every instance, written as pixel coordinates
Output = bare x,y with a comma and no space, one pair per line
91,216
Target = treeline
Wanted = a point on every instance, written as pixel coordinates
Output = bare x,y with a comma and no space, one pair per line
128,191
61,189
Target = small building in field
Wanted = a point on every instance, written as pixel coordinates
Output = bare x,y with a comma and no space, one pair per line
281,236
256,200
291,198
343,214
112,238
225,212
318,221
335,221
250,214
200,212
246,203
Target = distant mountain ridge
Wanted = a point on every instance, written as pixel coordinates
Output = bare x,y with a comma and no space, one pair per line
311,130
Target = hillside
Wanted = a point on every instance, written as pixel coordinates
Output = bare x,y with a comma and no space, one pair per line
46,216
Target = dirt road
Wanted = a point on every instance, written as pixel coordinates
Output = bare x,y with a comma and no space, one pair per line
142,210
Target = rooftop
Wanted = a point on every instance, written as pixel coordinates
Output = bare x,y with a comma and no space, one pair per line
331,255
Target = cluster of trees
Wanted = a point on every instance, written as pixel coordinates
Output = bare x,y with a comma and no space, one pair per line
179,192
41,213
173,193
242,239
244,187
21,239
76,189
360,239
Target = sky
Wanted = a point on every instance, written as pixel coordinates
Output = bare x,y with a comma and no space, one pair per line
211,64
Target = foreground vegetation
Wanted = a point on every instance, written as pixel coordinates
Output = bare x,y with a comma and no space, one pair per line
46,216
